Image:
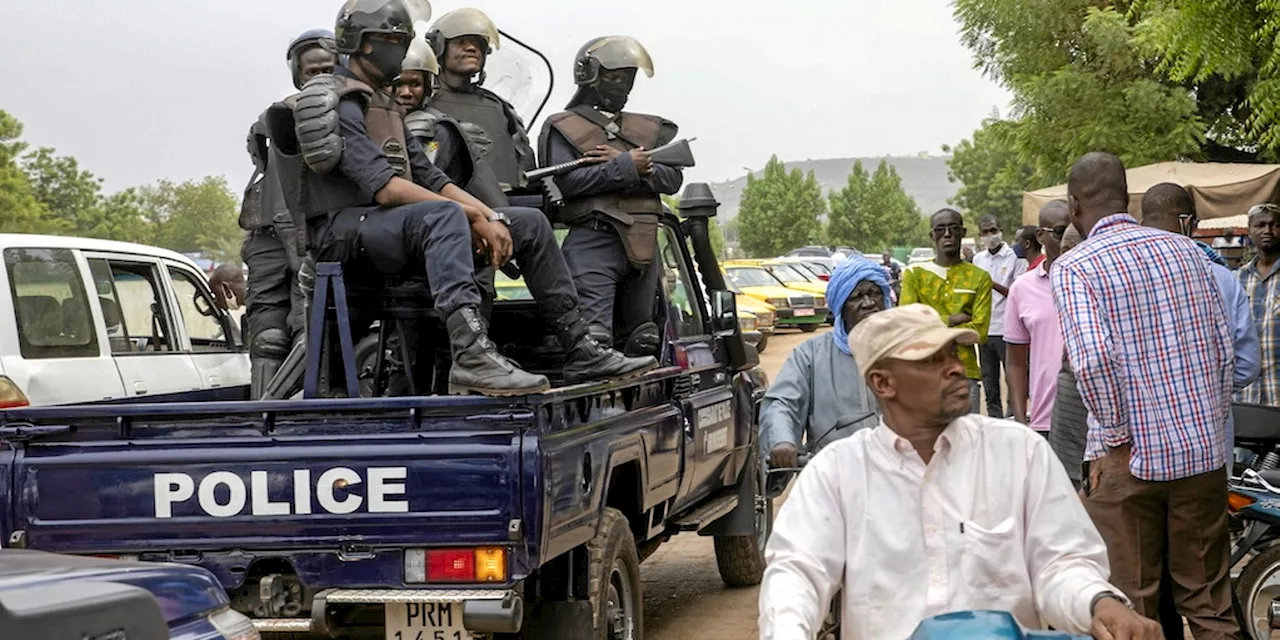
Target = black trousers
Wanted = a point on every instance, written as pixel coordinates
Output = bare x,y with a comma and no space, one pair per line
614,294
434,239
272,299
991,354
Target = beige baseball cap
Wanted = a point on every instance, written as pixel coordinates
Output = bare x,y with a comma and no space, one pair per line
911,332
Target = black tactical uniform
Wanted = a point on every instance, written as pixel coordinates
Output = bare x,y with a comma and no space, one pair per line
611,209
353,160
274,303
491,124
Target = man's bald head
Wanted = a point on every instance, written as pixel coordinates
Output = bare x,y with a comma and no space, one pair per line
1096,188
1055,213
1164,207
1070,239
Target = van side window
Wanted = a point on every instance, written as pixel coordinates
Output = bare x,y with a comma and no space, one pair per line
50,304
129,293
682,301
205,328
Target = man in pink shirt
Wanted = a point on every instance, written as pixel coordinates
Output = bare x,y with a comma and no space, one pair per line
1032,331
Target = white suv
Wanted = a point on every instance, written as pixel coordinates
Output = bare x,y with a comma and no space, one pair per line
85,320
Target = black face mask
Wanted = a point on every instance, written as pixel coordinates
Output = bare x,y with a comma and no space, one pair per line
386,58
612,96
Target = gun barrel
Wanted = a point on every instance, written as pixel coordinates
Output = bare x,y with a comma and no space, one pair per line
554,170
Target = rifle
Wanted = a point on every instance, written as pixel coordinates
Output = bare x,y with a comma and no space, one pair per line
673,154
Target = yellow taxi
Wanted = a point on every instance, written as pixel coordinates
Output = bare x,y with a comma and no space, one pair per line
794,309
791,276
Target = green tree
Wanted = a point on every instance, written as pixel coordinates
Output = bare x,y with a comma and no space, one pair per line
194,216
991,175
874,212
71,195
20,210
119,216
780,210
844,220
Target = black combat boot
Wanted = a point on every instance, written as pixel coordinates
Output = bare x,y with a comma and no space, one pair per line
477,365
586,359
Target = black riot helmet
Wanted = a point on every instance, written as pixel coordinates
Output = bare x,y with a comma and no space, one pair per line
611,53
358,18
311,38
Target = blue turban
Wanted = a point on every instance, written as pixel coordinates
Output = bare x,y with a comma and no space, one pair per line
844,279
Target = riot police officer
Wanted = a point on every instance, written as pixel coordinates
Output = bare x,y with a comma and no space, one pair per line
374,199
443,137
463,40
612,205
274,302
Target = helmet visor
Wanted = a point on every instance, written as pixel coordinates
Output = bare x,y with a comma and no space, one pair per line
622,52
421,58
468,22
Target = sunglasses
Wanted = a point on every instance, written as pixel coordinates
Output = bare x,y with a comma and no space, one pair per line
1057,232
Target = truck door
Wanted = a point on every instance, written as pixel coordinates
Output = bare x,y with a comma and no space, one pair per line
140,325
705,394
220,363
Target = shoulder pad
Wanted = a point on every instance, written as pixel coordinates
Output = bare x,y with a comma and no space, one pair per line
421,124
315,115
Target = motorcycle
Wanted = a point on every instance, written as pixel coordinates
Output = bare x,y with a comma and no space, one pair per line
1253,501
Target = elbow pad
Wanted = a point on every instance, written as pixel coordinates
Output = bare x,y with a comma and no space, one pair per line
315,115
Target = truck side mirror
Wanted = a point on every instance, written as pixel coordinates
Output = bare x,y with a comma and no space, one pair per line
724,313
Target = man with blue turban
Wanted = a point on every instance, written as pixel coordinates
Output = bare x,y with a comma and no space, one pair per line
819,386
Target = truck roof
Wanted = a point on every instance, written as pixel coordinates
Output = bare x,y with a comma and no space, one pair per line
33,240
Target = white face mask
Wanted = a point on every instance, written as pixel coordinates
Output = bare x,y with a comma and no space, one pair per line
993,240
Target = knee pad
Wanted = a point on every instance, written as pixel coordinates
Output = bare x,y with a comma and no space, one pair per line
272,344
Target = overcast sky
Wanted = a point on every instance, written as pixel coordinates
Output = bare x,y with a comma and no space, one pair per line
144,89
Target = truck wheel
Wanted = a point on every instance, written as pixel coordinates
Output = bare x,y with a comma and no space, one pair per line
615,580
808,328
764,342
740,559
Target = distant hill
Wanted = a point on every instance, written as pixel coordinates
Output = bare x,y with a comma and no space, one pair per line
924,179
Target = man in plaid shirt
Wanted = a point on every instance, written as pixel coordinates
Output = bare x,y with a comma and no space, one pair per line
1146,334
1262,285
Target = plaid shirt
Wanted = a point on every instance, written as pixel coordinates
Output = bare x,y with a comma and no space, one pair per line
1146,332
1264,296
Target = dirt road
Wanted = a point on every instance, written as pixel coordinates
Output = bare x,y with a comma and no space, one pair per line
684,598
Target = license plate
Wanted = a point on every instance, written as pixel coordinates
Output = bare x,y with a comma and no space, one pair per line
804,312
425,621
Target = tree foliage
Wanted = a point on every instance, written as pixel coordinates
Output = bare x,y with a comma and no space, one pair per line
780,210
873,212
991,175
41,192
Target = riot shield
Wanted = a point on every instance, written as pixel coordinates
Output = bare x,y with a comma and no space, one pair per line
522,76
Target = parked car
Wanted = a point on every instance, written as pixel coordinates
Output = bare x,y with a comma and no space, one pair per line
813,251
795,309
102,597
827,264
86,320
921,254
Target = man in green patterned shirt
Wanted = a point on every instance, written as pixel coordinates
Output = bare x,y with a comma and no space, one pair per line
959,291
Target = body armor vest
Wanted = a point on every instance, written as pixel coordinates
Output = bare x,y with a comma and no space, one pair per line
634,213
508,154
481,181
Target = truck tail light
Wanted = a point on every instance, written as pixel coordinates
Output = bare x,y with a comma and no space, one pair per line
10,395
481,564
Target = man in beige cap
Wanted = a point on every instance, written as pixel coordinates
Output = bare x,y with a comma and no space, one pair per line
935,510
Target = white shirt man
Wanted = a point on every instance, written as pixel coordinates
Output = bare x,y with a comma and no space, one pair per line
940,512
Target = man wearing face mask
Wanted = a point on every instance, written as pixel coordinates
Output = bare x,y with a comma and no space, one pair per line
1004,266
1027,247
376,202
819,384
274,313
612,205
463,40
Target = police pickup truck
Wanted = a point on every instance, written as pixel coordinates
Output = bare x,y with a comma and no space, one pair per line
431,517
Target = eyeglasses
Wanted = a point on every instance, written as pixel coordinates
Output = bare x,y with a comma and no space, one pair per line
1057,232
943,229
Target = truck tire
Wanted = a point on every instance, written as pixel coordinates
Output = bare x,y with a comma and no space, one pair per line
808,328
616,595
740,559
764,342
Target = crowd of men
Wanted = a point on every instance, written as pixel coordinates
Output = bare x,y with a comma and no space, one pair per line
393,158
1124,344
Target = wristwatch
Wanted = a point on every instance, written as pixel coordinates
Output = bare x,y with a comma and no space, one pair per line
1093,604
499,216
